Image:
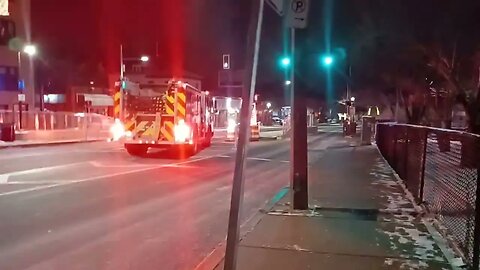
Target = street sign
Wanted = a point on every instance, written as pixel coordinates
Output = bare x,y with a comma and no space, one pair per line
277,5
21,97
297,13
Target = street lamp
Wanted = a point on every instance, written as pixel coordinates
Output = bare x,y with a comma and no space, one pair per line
143,58
30,50
269,105
288,82
352,99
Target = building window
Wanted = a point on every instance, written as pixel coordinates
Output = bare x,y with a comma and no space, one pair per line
8,78
4,8
137,68
7,31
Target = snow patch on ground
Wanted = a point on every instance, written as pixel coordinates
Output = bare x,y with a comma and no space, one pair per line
390,190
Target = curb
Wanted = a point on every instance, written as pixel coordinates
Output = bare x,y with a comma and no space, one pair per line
216,256
32,145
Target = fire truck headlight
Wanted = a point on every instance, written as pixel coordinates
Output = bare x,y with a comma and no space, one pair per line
231,126
182,132
117,130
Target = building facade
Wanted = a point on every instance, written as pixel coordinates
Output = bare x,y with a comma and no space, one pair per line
16,68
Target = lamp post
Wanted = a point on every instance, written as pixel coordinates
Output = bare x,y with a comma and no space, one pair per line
143,58
31,51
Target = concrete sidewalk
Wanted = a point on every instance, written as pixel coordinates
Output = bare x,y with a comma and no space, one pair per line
35,143
359,218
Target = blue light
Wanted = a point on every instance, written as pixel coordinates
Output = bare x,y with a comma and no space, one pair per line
21,85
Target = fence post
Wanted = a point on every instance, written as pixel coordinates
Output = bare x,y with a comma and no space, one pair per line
424,138
405,158
476,232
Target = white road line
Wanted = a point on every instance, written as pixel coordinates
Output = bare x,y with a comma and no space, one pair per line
41,182
101,165
257,159
102,177
4,177
268,160
25,190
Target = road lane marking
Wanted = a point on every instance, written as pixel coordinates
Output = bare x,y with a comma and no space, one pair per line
25,190
258,159
4,177
101,165
268,160
20,191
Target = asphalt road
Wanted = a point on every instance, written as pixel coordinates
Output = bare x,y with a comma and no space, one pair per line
92,206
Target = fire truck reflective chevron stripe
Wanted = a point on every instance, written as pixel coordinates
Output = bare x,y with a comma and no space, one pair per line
171,99
170,105
129,124
181,104
181,97
150,131
167,131
116,103
141,127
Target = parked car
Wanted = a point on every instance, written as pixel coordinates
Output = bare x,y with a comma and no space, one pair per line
277,120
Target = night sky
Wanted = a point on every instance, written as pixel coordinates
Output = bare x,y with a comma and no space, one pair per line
193,34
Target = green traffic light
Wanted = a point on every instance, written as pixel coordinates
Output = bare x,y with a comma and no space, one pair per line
285,62
327,60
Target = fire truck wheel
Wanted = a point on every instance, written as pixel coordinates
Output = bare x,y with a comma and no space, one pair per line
136,150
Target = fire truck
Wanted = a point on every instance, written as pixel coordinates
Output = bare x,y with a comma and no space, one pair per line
178,117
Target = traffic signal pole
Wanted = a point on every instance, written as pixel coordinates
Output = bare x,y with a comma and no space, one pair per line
299,151
122,91
253,47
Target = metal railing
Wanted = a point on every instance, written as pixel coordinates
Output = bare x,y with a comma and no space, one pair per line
33,120
441,169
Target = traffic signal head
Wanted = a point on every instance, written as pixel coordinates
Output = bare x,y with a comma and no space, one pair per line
226,61
285,62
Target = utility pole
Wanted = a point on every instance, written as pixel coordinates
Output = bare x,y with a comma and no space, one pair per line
253,47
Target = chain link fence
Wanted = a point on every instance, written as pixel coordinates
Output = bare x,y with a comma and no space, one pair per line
441,170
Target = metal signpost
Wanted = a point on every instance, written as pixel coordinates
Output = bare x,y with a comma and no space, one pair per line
299,140
21,100
296,17
253,47
277,6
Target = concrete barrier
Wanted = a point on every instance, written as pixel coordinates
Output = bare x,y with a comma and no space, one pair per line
63,135
55,127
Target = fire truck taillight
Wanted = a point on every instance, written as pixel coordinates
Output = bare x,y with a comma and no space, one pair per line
182,132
